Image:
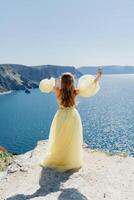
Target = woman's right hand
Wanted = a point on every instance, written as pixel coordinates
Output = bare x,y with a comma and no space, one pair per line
99,71
99,74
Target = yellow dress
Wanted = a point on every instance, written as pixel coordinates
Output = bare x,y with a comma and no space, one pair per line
64,150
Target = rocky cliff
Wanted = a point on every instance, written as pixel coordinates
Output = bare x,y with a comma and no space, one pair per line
103,176
10,79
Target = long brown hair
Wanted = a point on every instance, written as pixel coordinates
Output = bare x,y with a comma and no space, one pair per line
68,91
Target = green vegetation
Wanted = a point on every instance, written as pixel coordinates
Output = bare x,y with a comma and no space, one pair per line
6,159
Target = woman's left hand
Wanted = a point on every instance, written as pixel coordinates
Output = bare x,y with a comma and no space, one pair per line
57,80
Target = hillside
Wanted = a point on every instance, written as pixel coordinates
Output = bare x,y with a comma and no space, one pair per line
10,79
37,73
103,176
17,77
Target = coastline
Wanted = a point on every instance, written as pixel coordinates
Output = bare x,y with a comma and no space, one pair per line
6,92
105,75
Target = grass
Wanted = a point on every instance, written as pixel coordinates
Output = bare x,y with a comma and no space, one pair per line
6,159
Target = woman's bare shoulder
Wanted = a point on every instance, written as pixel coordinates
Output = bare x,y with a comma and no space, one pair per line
77,91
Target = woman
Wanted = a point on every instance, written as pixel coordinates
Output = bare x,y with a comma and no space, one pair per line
64,151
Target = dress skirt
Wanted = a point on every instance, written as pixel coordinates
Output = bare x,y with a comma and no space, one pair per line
64,150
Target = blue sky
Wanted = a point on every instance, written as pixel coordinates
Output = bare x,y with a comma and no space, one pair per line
67,32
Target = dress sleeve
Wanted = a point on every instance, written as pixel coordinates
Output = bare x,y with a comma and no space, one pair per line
46,85
86,86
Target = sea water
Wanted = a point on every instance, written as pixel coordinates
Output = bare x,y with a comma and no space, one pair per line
107,117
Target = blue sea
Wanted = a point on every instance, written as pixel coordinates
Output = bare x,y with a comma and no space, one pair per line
107,117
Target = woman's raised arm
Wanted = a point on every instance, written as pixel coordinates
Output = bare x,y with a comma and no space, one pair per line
99,74
88,85
55,89
46,85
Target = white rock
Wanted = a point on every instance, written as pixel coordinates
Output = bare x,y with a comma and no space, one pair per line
101,177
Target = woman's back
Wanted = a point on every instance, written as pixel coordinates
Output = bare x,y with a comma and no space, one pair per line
59,99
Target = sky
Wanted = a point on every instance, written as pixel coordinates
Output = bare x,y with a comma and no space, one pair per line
67,32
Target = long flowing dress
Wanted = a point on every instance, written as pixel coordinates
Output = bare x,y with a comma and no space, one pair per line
64,150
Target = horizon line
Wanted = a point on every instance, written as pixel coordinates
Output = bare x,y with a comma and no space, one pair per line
37,65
